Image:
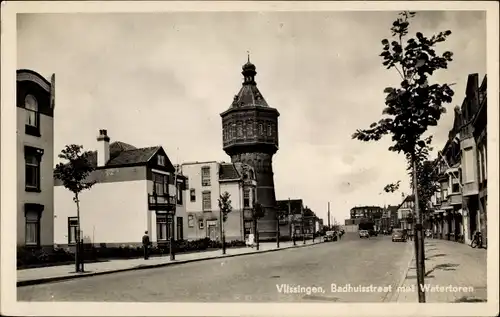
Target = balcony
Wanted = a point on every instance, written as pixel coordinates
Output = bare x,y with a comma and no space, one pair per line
161,202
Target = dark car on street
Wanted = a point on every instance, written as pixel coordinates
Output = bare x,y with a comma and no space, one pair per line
398,235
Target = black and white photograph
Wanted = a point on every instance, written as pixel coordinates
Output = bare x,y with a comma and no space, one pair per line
249,158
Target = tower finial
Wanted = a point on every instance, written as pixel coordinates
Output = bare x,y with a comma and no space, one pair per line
248,56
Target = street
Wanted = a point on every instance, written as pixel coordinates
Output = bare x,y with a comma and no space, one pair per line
257,278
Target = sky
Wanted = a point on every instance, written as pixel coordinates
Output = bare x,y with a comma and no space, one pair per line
164,78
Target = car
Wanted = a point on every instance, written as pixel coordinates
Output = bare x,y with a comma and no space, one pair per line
330,236
398,235
373,233
364,234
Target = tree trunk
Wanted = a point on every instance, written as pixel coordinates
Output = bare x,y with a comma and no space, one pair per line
221,224
419,238
172,239
256,235
78,249
278,231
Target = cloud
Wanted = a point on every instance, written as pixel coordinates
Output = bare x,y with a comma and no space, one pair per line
164,78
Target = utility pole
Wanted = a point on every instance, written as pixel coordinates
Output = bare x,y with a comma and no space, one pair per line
329,216
172,238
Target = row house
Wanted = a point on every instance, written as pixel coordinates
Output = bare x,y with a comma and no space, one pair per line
296,219
35,101
479,124
207,181
405,212
457,210
135,190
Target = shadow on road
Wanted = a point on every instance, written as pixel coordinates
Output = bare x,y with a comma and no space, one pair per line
435,256
444,267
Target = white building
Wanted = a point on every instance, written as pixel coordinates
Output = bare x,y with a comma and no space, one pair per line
35,154
207,181
121,205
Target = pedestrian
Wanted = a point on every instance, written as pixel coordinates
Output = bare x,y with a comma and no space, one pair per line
145,244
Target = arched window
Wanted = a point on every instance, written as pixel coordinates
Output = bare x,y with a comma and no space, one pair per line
269,131
31,106
250,129
233,130
240,130
261,129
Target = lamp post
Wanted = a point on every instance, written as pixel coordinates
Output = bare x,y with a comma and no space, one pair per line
172,213
302,218
278,216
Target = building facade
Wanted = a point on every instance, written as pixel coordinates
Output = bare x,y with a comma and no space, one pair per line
250,136
207,181
368,212
134,192
405,213
480,136
35,102
458,210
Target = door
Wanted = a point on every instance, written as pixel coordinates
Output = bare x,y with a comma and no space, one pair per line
212,232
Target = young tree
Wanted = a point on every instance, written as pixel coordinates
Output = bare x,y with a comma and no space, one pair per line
73,173
257,213
225,208
413,106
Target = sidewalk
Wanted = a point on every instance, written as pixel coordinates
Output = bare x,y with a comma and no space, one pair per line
447,264
64,272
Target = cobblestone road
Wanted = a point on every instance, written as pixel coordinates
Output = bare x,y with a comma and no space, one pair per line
376,261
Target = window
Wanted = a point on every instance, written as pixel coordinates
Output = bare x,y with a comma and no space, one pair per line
207,201
161,160
72,229
233,130
32,157
240,130
269,131
180,229
250,129
160,183
31,106
246,197
205,176
190,221
32,230
455,188
179,194
192,195
201,225
162,228
261,129
468,165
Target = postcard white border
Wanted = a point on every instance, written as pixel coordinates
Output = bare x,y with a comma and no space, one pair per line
9,306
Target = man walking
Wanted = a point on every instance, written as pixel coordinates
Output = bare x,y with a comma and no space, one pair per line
145,244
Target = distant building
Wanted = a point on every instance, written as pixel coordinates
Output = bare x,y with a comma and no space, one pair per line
134,192
369,212
207,182
35,159
405,212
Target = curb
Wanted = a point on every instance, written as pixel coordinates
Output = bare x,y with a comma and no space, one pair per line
149,266
393,297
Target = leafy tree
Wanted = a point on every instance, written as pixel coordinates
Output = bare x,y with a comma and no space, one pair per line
225,208
73,173
413,106
257,213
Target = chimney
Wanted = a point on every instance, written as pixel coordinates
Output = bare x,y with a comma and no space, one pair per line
103,148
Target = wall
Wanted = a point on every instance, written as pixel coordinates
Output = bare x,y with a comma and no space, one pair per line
45,197
112,213
193,173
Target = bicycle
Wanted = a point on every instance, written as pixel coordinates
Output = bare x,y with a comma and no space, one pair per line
477,240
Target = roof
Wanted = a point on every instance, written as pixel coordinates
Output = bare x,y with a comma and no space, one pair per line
249,96
121,153
228,171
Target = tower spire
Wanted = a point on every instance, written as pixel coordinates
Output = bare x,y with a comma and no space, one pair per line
248,56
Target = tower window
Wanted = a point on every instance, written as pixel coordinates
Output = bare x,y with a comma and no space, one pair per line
250,129
269,131
240,130
261,129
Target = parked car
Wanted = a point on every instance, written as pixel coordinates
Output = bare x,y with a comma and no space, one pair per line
373,233
398,235
364,234
330,236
